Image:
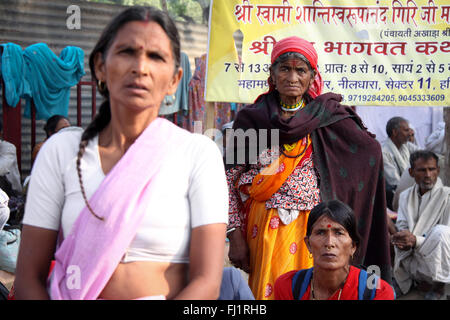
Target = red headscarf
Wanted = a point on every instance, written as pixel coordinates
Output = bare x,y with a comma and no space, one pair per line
296,44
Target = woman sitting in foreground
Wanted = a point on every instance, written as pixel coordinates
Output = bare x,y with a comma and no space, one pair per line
332,239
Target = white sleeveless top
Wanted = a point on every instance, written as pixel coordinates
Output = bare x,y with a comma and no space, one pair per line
193,192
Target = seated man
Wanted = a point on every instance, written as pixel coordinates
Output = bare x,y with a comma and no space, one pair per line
8,164
234,286
396,151
422,243
407,181
436,140
412,143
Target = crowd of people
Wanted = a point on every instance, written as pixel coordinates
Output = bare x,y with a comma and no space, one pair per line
142,208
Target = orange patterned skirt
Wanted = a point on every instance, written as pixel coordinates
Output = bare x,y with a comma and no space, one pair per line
275,248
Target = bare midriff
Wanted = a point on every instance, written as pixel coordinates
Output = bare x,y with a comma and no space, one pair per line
134,280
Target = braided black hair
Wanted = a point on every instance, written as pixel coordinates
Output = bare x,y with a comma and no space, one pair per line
103,117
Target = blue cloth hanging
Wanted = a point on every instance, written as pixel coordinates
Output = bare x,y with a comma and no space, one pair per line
51,77
181,101
38,73
13,74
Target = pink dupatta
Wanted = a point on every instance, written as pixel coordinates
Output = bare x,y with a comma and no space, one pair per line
89,255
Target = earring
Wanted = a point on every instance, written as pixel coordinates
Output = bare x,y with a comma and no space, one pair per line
169,100
310,255
101,86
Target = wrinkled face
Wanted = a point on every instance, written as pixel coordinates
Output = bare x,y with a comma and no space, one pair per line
402,133
425,173
330,244
62,123
139,67
292,78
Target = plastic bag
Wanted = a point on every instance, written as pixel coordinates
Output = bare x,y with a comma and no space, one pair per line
9,249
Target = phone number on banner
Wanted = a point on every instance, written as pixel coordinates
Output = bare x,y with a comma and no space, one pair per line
392,97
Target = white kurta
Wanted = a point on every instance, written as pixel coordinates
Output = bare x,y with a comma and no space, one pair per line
407,181
428,218
436,140
395,160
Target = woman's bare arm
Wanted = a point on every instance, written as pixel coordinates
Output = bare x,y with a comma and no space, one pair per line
239,254
37,248
206,264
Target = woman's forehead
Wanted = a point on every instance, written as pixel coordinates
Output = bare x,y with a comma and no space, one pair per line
142,35
293,61
141,32
326,222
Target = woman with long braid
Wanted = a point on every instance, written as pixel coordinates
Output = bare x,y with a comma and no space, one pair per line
133,207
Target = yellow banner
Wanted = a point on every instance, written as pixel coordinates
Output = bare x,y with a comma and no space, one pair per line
394,53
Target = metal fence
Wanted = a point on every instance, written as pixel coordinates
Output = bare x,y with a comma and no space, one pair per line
26,22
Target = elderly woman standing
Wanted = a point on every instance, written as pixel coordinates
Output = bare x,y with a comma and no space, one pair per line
332,239
324,151
133,222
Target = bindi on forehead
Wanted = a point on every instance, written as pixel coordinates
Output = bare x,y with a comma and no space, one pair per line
325,222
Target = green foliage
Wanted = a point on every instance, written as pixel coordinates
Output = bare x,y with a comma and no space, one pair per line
155,3
188,10
180,10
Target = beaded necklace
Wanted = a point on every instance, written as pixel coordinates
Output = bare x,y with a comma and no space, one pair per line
295,107
285,107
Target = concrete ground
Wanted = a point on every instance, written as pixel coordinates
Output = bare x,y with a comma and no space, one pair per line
416,294
412,295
